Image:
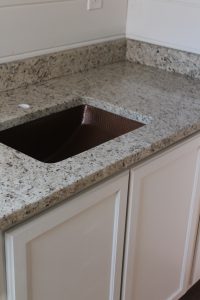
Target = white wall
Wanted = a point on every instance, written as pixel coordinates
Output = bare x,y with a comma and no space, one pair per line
172,23
29,28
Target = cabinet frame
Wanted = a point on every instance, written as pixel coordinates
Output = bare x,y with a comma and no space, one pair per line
16,239
3,295
133,215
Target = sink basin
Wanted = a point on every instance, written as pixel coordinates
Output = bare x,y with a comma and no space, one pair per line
64,134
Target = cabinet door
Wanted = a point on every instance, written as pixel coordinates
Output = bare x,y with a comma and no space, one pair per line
72,252
196,266
162,223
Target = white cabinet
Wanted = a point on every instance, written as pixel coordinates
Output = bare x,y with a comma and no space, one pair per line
196,265
75,251
72,252
162,222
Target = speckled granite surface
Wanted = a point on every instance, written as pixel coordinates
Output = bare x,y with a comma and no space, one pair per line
164,58
45,67
168,103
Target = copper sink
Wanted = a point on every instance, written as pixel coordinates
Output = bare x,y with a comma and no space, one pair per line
64,134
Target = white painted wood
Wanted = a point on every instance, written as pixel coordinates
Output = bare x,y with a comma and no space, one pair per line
32,29
196,266
162,223
171,23
71,252
7,3
56,49
2,269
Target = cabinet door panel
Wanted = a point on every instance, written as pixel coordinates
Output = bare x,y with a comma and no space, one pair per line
162,221
72,252
196,265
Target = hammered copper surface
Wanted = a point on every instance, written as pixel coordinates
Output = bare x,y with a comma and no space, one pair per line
64,134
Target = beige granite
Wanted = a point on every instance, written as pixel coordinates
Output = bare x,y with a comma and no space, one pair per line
53,65
168,59
168,103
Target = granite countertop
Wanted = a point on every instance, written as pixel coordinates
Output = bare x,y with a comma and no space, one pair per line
168,103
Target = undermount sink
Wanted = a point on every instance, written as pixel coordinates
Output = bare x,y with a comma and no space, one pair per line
64,134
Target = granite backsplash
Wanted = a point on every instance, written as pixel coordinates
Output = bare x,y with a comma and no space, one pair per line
164,58
54,65
42,68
